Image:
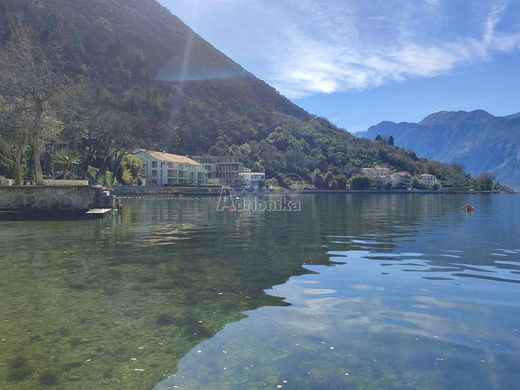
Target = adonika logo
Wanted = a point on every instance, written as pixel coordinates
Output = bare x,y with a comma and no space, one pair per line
278,201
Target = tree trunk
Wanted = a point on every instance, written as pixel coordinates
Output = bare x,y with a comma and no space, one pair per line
38,175
18,165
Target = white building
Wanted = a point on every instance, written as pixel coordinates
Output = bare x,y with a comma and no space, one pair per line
401,180
375,172
252,180
222,170
429,181
165,169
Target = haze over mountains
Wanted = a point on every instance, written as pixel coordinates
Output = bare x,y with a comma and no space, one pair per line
477,140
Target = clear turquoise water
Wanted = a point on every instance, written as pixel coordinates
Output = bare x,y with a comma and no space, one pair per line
354,291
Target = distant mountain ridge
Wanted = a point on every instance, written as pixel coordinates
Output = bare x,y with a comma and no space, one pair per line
476,139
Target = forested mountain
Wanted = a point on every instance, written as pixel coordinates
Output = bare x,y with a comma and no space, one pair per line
120,74
477,140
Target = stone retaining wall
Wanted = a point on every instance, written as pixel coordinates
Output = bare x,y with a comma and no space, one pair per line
61,183
44,198
144,191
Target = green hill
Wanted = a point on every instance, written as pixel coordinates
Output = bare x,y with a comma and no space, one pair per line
158,84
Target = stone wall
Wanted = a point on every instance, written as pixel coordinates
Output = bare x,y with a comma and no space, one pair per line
146,191
60,183
43,198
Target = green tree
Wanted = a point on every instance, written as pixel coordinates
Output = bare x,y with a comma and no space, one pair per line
317,178
132,168
257,167
67,159
486,181
329,180
416,184
221,148
14,136
30,78
360,183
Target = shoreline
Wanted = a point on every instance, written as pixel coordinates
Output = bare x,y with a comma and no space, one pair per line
145,192
29,213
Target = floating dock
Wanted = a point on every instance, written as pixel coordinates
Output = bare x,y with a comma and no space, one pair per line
99,213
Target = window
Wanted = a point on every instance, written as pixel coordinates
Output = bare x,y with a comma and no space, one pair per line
154,173
154,164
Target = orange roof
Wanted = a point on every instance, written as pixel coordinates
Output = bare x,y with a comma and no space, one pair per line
168,157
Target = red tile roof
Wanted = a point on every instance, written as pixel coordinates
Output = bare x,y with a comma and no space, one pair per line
168,157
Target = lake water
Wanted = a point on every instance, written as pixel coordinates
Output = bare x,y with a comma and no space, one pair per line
353,291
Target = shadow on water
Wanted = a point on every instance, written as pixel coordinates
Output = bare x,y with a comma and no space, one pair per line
117,303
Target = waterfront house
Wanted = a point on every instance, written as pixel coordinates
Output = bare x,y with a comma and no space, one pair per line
251,180
429,181
401,180
166,169
379,176
222,170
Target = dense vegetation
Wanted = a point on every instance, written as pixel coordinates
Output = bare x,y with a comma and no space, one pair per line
127,74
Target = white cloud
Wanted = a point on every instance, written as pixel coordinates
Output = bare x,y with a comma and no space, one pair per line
338,63
306,47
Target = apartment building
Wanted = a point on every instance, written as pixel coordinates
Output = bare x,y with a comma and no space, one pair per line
166,169
222,170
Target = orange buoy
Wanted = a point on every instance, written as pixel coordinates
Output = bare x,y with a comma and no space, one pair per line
469,208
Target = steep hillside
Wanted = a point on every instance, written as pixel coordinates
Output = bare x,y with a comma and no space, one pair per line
477,140
180,94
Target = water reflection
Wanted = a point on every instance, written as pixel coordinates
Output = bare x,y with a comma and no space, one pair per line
400,308
119,303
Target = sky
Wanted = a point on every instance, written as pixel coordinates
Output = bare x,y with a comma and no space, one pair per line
359,62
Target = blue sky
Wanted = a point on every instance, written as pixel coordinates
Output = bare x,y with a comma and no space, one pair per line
361,62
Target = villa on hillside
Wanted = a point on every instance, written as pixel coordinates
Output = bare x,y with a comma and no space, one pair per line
429,181
165,169
401,180
375,172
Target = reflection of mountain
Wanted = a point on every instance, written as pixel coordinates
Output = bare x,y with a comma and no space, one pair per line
102,294
424,304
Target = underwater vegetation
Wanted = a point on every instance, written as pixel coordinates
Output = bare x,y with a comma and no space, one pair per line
49,377
18,368
164,320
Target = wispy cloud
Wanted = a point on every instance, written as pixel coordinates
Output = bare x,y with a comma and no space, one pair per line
339,63
325,46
